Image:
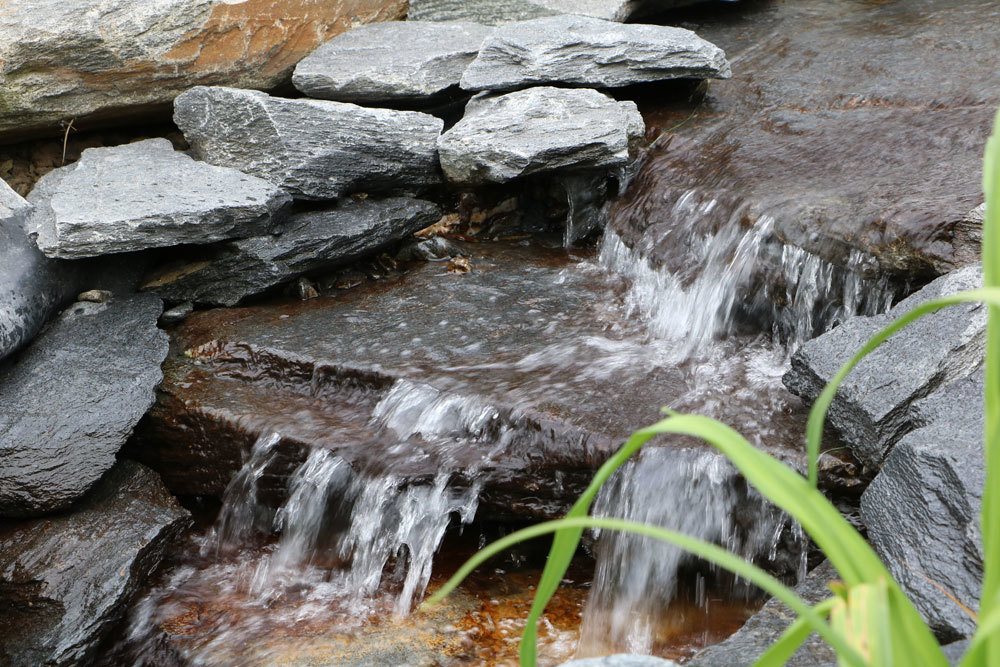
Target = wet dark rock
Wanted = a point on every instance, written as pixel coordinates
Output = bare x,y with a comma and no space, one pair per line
538,130
766,626
309,241
314,149
493,12
32,286
146,195
390,62
65,581
70,401
589,52
881,158
879,401
923,509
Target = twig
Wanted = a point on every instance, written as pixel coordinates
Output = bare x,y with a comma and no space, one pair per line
69,126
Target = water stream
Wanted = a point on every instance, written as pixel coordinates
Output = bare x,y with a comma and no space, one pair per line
355,538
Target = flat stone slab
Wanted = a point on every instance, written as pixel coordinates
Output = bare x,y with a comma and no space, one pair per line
71,399
494,12
147,195
100,61
923,509
390,62
538,130
65,581
520,374
314,149
881,158
878,402
589,52
32,287
309,241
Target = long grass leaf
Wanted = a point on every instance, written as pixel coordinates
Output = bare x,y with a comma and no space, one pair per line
990,514
706,550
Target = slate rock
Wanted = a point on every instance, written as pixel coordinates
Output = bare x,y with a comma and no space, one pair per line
314,149
875,405
590,52
100,61
538,130
65,581
391,62
922,510
495,12
310,241
765,627
146,195
70,401
32,286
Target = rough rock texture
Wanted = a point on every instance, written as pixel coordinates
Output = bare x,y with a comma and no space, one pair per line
881,158
493,12
391,62
70,401
589,52
65,581
876,405
621,660
310,241
147,195
31,286
922,511
97,60
315,149
537,130
764,627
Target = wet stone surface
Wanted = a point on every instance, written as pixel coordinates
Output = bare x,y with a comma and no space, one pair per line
836,124
521,375
71,399
66,581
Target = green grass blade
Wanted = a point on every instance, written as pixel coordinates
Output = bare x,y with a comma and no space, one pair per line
990,514
782,650
986,632
564,545
817,416
706,550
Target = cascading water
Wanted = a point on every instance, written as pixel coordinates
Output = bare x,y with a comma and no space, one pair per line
736,306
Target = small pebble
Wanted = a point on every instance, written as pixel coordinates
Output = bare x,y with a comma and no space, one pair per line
95,296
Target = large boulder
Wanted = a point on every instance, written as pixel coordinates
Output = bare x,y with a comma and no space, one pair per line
70,401
32,287
314,149
147,195
878,402
766,626
65,581
311,241
402,61
493,12
589,52
538,130
99,60
923,509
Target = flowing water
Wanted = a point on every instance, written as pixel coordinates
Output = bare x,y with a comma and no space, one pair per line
353,538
